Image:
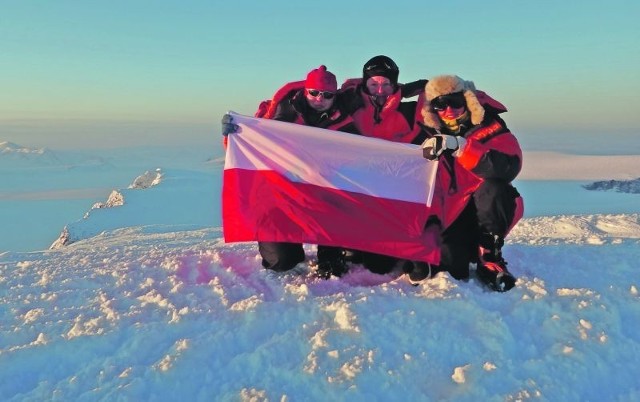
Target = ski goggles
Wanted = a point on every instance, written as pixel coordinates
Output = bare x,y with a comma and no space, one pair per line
454,101
325,94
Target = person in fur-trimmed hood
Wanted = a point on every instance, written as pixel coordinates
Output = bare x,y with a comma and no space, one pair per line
479,158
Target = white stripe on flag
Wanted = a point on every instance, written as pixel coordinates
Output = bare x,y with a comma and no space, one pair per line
332,159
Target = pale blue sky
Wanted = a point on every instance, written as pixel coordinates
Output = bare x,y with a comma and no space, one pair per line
77,72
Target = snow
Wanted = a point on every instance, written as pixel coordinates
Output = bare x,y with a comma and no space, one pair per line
148,303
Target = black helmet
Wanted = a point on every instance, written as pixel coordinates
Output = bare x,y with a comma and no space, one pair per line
381,66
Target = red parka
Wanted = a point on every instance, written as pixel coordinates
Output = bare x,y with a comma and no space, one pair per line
491,152
393,121
289,104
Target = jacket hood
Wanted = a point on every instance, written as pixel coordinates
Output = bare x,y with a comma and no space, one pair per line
445,85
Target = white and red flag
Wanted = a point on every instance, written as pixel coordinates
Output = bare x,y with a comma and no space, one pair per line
292,183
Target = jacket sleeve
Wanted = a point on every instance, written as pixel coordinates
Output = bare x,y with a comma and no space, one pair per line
349,101
412,89
492,155
285,111
498,165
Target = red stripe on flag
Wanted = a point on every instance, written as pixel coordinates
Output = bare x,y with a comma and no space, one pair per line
262,205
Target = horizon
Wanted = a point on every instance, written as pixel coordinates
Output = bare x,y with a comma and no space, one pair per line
59,193
124,135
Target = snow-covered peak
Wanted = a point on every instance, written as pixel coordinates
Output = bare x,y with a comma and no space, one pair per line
7,147
13,155
621,186
148,179
116,199
156,205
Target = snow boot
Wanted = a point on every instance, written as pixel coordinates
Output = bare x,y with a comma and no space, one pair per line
353,256
331,261
334,267
378,263
419,271
492,268
280,256
456,257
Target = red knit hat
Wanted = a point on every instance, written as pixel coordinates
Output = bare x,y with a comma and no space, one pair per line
322,80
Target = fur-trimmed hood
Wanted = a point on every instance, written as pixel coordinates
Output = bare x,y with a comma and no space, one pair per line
445,85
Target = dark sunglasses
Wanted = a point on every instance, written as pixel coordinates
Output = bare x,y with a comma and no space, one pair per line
455,101
325,94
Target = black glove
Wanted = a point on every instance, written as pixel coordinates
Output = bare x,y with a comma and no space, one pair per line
227,125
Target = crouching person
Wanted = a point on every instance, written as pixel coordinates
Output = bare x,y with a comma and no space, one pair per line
479,158
313,102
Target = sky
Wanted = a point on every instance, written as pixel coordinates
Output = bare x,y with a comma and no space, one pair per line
117,74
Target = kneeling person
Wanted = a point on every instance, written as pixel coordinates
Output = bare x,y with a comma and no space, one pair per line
313,102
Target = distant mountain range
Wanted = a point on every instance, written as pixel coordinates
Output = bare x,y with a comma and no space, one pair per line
18,156
15,153
7,147
187,201
621,186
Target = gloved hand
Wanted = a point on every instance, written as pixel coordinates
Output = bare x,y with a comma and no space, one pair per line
227,125
435,146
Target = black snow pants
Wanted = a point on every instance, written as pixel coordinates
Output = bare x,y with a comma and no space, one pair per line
491,209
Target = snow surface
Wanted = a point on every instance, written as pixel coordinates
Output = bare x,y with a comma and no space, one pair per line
148,303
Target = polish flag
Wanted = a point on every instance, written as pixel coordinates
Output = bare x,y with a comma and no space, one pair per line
287,182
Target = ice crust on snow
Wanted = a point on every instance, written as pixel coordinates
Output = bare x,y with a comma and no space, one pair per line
173,303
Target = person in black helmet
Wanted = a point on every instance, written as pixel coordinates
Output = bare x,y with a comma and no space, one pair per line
382,113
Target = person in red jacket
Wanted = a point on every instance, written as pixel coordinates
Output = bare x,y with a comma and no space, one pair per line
312,102
381,112
479,158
